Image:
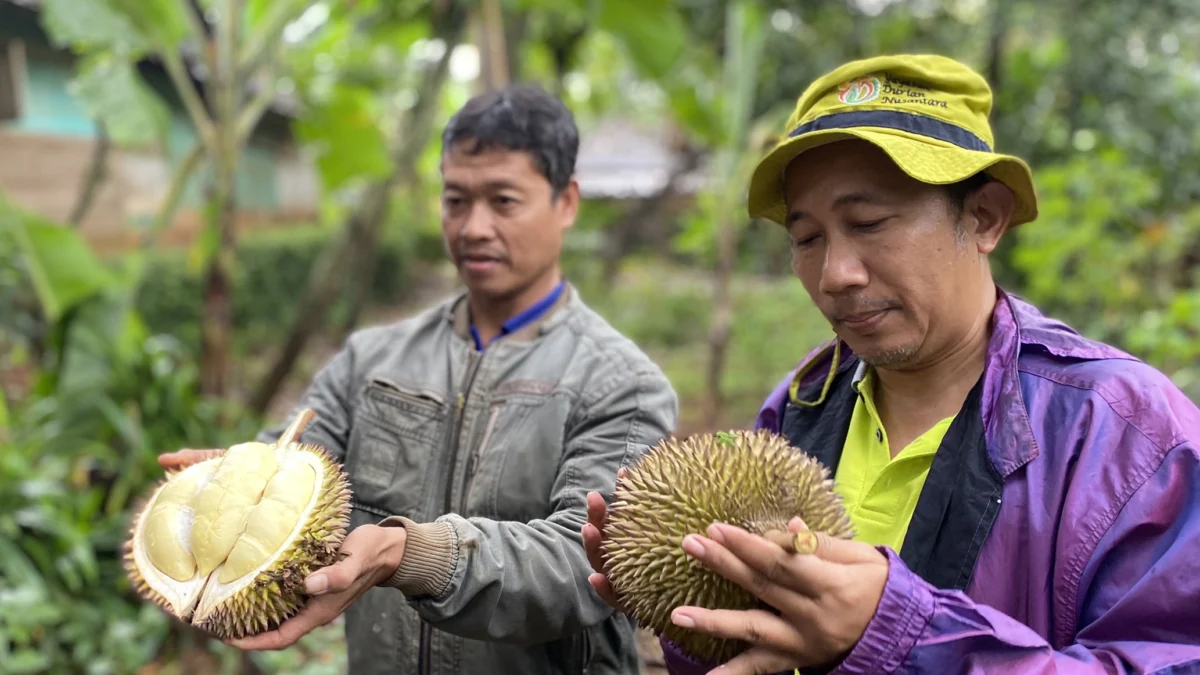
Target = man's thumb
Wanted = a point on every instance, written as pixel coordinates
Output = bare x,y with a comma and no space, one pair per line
333,579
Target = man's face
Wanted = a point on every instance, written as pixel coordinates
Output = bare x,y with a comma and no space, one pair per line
501,224
881,254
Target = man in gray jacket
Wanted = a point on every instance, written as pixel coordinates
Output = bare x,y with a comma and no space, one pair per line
473,432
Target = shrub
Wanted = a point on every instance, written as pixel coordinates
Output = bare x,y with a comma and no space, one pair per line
271,271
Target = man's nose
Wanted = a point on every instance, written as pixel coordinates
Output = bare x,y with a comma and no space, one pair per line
480,222
842,269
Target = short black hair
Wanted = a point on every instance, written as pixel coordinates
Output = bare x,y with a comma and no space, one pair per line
521,117
958,192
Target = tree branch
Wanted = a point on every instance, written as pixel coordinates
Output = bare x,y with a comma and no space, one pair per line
191,100
255,109
166,213
95,176
200,32
282,12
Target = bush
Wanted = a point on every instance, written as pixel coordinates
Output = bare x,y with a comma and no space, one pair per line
271,271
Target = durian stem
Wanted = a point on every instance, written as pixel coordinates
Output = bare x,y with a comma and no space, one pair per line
303,419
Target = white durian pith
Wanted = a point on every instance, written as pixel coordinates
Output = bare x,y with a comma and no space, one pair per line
226,544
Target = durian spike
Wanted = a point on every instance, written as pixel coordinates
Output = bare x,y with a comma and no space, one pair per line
303,419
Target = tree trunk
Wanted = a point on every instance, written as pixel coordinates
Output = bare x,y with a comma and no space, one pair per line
216,329
362,228
323,286
623,235
95,176
494,46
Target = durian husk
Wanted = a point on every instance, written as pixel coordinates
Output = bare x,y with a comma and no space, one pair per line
261,601
752,479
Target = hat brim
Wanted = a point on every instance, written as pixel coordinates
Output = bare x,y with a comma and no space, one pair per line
924,159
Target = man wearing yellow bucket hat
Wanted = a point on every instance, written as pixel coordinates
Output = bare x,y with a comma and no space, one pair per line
1024,498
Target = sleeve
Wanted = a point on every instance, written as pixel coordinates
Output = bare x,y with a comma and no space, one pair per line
1139,606
329,397
524,582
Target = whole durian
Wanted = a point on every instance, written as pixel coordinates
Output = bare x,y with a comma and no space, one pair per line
753,479
226,544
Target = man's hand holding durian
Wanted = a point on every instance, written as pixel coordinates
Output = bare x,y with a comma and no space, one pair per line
825,598
825,594
372,554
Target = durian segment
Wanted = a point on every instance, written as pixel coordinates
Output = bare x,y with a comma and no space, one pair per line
169,524
271,593
224,504
276,517
755,480
174,595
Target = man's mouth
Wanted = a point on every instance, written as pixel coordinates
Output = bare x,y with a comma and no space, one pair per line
480,263
863,320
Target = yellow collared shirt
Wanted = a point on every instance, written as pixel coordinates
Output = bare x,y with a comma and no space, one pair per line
880,492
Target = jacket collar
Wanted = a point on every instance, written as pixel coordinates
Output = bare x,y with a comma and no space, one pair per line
457,313
1017,327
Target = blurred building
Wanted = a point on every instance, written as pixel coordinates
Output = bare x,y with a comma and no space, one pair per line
47,141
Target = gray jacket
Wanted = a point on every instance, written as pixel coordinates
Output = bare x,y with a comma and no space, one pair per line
487,459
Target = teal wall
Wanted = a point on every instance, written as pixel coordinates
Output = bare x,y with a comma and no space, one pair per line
50,110
255,187
48,107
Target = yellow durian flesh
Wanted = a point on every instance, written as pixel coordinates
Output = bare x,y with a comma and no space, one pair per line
250,526
224,504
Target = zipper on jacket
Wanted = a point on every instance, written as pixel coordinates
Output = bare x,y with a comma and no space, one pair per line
476,455
460,403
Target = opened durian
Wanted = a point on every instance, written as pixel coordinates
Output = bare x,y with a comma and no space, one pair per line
226,544
752,479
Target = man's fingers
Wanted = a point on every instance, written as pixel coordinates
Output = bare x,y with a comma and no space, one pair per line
336,578
185,458
597,510
317,613
755,627
770,564
605,590
757,661
788,590
591,546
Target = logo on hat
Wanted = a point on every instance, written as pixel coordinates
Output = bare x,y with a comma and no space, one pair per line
860,90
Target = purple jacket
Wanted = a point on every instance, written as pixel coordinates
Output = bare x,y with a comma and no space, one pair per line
1092,560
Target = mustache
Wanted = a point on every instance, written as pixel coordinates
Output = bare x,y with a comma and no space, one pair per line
464,254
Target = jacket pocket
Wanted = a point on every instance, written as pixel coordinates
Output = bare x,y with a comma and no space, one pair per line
516,460
397,430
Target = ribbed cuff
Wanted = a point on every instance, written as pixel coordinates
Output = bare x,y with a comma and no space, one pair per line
430,557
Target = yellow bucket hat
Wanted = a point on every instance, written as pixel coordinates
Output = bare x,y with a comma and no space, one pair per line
929,113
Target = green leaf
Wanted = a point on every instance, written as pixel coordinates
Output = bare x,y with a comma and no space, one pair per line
63,270
113,93
92,24
347,139
26,661
652,31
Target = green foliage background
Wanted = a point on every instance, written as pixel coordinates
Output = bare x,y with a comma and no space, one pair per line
98,355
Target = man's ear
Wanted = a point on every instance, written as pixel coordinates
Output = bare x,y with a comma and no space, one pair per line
990,208
568,202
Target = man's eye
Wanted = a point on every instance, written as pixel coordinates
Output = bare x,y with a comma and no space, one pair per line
870,225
